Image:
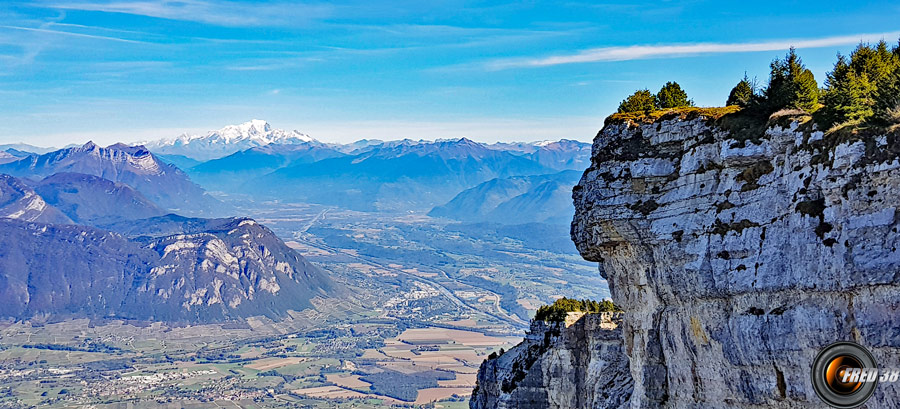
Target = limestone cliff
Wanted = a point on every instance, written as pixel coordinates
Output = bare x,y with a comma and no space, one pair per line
736,255
579,363
737,258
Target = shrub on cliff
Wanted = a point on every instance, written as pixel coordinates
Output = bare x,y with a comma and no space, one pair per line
557,311
641,101
672,96
854,85
791,85
742,94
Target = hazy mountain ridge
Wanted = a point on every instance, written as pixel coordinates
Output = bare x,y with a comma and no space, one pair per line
515,200
25,148
396,177
92,200
20,201
229,172
562,154
135,166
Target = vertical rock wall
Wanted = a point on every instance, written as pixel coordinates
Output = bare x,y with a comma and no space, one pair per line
737,260
582,365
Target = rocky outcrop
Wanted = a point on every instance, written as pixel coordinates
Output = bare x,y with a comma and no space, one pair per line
580,363
737,258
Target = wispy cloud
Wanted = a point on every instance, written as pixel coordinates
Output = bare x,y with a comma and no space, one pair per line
642,52
71,34
223,13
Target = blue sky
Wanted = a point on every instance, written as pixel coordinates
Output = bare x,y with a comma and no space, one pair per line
127,70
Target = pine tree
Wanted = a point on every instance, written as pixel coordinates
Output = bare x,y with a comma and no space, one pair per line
742,94
887,98
640,101
791,85
852,87
672,96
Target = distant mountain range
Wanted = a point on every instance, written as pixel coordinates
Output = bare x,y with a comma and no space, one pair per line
396,176
164,184
225,141
221,269
515,200
25,148
255,160
233,170
83,232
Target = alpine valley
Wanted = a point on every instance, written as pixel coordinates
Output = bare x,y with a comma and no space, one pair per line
263,268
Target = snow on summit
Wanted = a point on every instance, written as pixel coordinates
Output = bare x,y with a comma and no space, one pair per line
228,140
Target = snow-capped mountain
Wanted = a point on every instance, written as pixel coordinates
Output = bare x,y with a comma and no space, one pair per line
226,141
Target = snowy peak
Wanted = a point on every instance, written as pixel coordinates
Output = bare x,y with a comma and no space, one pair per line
228,140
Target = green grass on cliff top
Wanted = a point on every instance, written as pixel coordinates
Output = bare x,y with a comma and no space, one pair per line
713,113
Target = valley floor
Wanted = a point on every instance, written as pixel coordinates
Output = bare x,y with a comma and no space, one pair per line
429,301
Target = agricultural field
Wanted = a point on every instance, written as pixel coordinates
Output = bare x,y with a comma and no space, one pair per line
427,302
79,363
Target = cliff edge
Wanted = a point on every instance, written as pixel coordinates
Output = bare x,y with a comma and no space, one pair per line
579,363
736,259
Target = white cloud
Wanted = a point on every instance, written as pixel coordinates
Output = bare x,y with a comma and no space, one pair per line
224,13
641,52
70,34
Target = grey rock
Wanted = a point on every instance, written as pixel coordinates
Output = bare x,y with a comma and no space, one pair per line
577,364
737,267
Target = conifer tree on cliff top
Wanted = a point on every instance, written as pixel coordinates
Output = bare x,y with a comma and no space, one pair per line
791,85
641,101
672,96
742,94
857,84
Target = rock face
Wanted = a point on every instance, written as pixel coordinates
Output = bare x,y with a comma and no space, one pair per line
577,364
736,261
